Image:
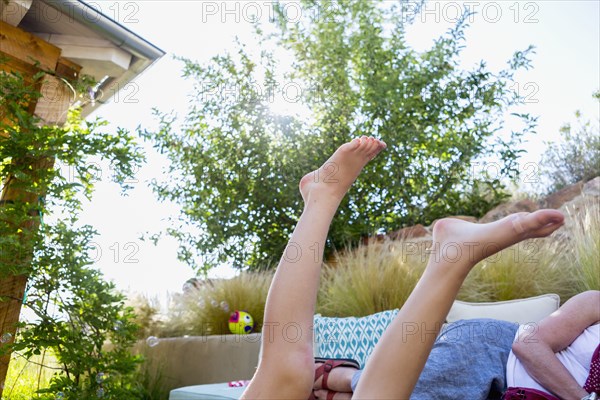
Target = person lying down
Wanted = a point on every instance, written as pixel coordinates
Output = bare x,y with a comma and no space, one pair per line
479,359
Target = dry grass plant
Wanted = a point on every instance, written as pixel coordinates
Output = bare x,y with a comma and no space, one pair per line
380,276
205,310
583,256
371,278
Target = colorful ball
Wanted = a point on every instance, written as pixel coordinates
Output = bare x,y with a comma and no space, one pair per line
241,323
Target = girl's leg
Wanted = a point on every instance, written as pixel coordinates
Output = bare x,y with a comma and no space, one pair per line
286,369
399,357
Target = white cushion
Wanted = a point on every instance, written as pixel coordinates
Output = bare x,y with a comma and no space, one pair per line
521,311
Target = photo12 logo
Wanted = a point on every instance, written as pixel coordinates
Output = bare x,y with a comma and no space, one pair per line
454,11
288,92
125,13
292,12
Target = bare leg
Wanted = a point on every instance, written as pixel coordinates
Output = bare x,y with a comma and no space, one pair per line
400,355
286,369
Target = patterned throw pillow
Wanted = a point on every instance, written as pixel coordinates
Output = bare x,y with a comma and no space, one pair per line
350,337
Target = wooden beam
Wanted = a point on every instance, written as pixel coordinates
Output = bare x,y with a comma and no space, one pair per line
26,47
57,97
12,290
27,71
68,69
53,105
11,64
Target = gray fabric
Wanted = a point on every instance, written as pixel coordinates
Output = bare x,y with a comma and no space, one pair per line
468,361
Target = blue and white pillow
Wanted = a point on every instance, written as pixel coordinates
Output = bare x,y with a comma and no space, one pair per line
350,337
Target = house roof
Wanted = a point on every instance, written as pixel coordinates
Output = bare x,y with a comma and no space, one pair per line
107,50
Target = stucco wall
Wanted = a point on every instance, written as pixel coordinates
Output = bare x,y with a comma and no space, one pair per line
197,360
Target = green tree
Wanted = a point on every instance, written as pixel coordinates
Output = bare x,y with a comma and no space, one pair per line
575,156
235,164
76,311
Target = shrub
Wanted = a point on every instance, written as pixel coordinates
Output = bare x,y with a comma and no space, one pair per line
205,310
523,270
381,276
76,310
151,380
371,278
583,256
147,315
576,156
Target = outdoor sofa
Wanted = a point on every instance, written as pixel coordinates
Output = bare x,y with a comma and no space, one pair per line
217,364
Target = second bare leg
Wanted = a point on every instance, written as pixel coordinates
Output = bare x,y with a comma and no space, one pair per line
398,359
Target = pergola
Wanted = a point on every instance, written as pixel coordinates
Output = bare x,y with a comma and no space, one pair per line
68,38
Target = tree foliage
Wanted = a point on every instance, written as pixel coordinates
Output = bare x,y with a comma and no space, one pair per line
575,156
76,311
235,163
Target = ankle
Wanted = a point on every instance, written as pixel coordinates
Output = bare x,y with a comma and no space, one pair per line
322,203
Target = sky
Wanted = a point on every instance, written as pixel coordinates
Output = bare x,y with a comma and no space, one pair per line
565,73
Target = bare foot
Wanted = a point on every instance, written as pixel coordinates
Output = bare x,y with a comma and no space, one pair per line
335,177
459,240
321,394
339,379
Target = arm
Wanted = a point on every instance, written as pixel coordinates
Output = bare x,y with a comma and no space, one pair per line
556,332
